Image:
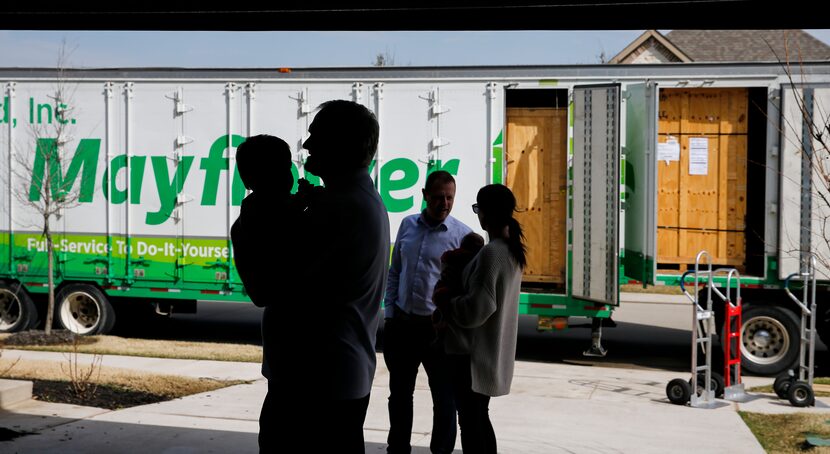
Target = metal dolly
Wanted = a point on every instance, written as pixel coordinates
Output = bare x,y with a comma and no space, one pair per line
679,391
714,385
733,387
799,391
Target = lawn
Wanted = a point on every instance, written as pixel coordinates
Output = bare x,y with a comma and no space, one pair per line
114,345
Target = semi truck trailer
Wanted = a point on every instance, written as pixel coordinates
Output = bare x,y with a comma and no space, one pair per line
622,174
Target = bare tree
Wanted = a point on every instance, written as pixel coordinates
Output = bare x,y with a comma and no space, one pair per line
385,58
81,380
811,138
41,166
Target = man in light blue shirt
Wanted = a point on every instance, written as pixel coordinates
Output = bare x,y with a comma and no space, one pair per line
408,332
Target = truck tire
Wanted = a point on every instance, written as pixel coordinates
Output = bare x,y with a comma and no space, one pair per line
85,310
17,311
769,339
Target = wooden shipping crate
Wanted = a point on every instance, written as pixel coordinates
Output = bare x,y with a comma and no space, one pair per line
702,204
703,110
536,155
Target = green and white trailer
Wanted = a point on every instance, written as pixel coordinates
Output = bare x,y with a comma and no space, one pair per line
150,157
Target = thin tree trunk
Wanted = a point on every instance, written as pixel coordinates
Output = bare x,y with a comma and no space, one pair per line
50,250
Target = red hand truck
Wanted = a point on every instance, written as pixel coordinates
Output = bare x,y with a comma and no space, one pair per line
733,387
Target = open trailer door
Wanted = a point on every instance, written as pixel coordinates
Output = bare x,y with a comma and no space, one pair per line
640,232
596,193
804,188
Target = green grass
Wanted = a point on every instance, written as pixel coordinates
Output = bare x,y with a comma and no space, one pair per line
788,433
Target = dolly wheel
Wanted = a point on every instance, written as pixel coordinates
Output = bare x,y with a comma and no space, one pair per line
781,385
717,384
679,391
801,394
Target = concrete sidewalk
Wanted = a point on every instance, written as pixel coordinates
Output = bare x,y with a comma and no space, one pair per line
552,408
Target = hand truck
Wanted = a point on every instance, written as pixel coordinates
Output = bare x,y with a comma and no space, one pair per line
680,391
733,388
799,391
714,385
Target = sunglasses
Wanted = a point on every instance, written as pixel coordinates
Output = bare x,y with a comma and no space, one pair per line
475,208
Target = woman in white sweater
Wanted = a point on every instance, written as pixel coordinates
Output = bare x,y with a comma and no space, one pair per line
483,321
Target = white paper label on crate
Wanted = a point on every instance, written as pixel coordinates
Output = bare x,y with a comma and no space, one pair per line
698,156
669,151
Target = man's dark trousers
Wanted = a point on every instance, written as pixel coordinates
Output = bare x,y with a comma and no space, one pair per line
408,341
295,420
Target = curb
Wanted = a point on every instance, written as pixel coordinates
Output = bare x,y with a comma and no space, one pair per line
14,391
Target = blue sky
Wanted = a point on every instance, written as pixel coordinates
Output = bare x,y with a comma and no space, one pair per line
314,49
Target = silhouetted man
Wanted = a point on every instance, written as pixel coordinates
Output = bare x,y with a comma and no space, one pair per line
322,374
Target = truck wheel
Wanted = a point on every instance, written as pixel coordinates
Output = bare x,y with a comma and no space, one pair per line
83,309
801,394
679,391
17,311
769,340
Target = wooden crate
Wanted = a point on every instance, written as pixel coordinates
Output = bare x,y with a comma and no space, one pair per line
703,111
708,211
536,153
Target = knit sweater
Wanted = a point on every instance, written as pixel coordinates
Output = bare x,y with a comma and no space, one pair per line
484,320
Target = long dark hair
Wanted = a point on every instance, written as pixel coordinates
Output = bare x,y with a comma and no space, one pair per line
497,203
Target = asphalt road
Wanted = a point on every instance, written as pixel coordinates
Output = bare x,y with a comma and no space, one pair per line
647,334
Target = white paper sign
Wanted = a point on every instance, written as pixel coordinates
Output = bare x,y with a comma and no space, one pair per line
669,151
698,156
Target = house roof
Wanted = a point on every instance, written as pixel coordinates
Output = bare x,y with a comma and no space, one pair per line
749,45
728,46
651,38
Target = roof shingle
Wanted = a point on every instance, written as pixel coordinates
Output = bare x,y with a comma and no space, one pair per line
749,45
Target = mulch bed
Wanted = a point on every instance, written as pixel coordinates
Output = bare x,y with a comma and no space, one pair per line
105,396
109,397
37,337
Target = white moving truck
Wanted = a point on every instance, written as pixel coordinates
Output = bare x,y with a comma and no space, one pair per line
622,173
